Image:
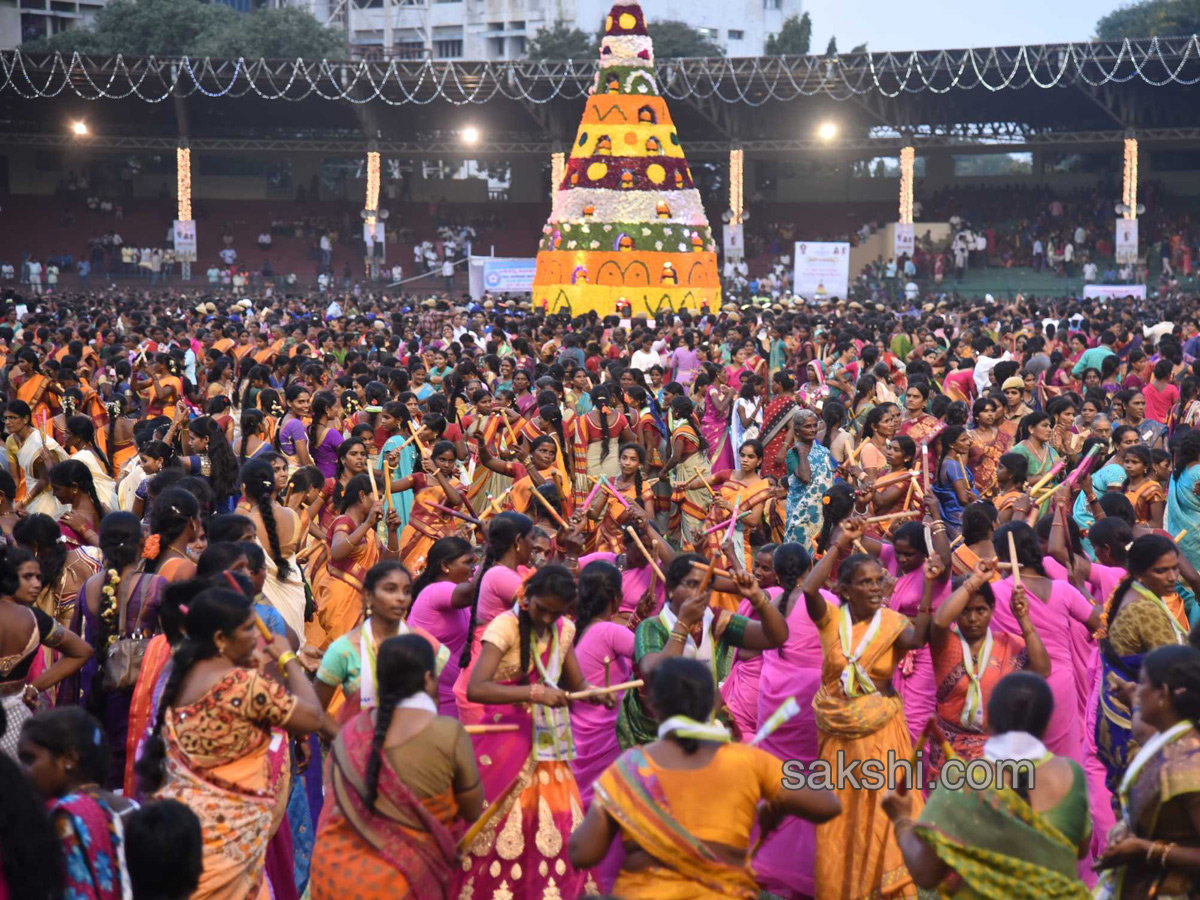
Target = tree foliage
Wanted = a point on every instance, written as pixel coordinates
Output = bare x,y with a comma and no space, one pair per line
561,42
831,48
197,28
1151,18
675,40
794,38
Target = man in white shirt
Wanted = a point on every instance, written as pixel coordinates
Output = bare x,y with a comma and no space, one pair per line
326,250
984,365
1080,235
264,240
397,272
228,256
448,274
333,311
645,357
1039,254
35,276
1089,272
1069,260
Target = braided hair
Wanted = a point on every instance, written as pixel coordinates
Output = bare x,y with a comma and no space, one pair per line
503,532
599,586
120,545
553,415
601,397
1026,542
215,611
402,666
39,534
792,562
258,484
116,406
683,408
1144,552
833,414
82,428
322,403
251,424
71,473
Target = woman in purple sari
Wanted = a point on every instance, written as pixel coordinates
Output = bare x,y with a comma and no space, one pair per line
713,392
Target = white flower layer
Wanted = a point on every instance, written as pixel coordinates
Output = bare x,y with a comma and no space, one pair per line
625,49
627,206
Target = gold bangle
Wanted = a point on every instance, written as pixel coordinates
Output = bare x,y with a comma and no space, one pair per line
1162,858
284,659
1150,851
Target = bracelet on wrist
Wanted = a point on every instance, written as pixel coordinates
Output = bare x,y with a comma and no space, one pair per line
284,659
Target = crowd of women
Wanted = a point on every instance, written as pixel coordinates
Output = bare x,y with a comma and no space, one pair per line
493,604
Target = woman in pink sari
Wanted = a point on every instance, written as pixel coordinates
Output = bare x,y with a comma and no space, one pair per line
525,666
712,390
1053,606
784,864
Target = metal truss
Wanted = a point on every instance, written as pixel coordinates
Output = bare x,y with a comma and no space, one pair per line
546,146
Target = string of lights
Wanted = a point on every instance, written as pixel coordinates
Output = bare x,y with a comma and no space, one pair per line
183,183
1129,193
908,163
558,167
751,81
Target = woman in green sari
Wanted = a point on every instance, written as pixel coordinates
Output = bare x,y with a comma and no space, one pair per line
1154,850
1019,840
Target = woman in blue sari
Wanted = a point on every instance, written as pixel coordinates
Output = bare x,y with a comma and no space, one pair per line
391,420
955,485
810,468
1136,622
1183,504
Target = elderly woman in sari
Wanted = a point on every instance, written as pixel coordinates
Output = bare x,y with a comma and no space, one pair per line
810,470
217,744
401,777
1021,839
659,799
1153,850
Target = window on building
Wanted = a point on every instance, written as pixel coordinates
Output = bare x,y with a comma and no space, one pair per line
1083,163
772,4
1175,160
495,26
992,164
710,33
451,49
736,34
884,167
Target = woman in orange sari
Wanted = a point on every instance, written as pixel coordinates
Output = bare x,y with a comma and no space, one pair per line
539,464
688,454
388,826
490,430
34,388
741,493
436,485
610,511
218,744
859,716
121,446
353,547
162,388
988,444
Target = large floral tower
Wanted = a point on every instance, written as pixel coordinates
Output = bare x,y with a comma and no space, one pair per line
627,223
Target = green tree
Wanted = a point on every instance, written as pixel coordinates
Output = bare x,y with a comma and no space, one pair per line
831,49
197,28
859,48
561,42
794,38
1151,18
674,40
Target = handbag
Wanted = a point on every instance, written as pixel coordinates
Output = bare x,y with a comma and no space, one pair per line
124,659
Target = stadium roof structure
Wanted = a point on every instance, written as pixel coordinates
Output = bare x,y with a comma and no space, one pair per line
1051,94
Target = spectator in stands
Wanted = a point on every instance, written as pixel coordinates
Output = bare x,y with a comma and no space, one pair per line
35,276
1089,272
448,274
264,241
326,250
228,256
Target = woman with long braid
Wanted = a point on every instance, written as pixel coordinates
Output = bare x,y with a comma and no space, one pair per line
174,526
254,440
611,514
213,748
496,583
118,604
688,455
420,764
277,530
73,487
594,434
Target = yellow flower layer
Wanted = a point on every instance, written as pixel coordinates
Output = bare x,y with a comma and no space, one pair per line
582,298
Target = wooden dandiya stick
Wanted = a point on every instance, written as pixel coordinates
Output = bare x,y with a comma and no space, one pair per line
852,456
456,513
912,485
906,514
708,576
931,729
507,424
491,729
723,573
486,816
1012,558
695,470
374,486
896,478
1054,470
309,551
263,629
925,468
607,663
1179,537
407,442
1084,465
417,437
537,495
860,547
632,532
387,487
601,691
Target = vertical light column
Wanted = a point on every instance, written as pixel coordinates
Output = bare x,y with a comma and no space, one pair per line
908,161
183,182
558,168
1129,191
737,172
372,206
